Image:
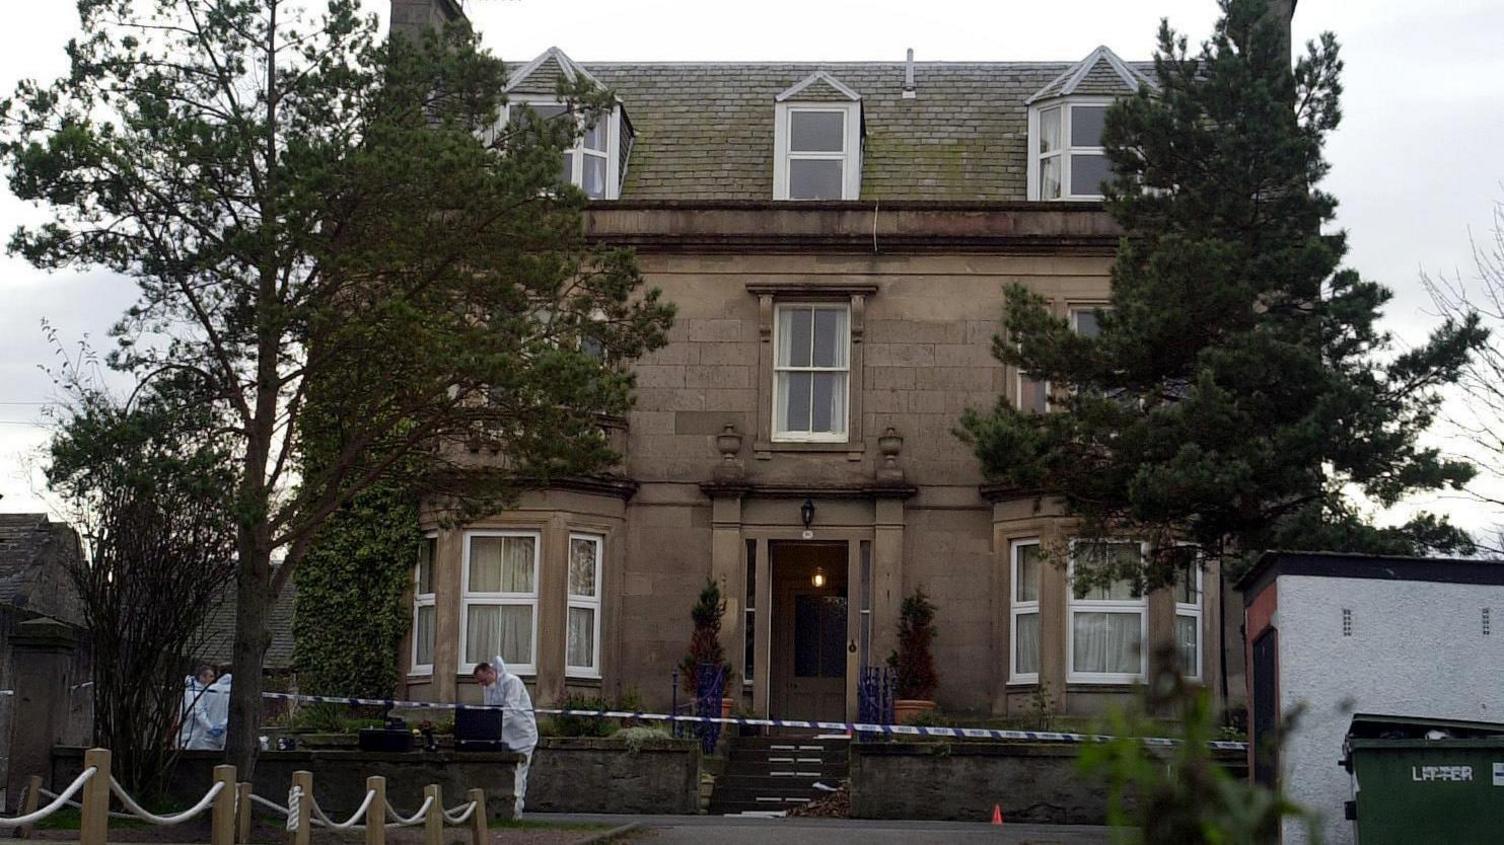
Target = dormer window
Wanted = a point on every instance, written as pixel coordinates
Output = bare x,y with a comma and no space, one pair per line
1066,157
597,160
818,141
588,165
1070,162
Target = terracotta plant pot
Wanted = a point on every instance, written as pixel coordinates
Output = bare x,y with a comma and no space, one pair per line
726,705
906,710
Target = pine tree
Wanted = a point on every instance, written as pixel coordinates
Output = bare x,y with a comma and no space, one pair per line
1239,391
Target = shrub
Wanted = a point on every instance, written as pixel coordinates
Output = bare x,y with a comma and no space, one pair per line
914,662
705,643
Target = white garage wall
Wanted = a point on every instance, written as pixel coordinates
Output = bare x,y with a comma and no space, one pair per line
1416,649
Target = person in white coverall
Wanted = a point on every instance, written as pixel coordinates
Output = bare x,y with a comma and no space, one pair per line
519,727
198,730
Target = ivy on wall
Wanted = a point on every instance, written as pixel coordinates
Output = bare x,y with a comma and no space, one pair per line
351,611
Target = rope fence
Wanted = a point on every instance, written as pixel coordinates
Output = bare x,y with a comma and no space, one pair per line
230,804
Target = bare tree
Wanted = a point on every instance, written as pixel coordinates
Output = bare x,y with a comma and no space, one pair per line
147,483
1480,418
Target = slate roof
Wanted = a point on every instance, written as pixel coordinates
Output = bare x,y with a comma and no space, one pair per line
704,131
34,553
219,630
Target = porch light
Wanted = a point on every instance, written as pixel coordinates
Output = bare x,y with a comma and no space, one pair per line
818,579
807,512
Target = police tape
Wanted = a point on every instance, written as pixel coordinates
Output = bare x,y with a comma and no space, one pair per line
755,722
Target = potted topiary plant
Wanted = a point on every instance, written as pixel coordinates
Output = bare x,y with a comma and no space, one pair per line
913,663
705,644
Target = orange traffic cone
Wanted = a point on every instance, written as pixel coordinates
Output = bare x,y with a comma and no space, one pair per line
997,814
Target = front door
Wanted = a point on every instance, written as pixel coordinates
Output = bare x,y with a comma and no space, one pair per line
809,660
817,684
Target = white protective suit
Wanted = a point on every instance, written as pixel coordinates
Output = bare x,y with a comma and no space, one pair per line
519,727
193,721
217,710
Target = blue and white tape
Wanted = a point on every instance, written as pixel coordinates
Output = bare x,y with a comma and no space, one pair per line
756,722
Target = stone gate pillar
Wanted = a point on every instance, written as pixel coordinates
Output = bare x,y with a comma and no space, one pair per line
42,660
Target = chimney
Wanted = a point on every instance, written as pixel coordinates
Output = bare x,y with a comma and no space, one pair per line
412,17
908,77
1279,15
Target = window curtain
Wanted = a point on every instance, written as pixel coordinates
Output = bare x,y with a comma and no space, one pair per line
1106,642
1185,636
1026,643
424,635
581,642
501,565
492,629
582,567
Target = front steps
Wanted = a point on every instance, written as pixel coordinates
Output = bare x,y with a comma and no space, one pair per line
778,773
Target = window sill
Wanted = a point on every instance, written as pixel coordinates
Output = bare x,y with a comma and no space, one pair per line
1024,681
583,680
854,450
1112,683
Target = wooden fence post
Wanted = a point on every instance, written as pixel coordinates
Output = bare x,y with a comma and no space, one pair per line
433,824
222,820
94,828
376,814
243,813
478,835
29,803
303,780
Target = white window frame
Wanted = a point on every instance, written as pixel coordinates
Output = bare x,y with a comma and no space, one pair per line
421,600
850,155
1193,611
1020,377
592,603
1018,608
469,599
576,153
778,434
1066,150
1139,606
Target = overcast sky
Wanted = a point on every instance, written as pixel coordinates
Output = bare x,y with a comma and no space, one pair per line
1416,163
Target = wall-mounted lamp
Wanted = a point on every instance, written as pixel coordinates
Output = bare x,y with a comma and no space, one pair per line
807,514
818,579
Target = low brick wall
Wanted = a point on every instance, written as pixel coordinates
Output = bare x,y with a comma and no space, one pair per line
578,775
963,781
339,777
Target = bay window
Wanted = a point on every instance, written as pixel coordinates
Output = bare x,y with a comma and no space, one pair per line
1107,621
1023,612
811,369
500,599
1068,159
1188,614
583,639
424,610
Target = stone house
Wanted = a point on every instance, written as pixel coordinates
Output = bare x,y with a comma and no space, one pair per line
837,238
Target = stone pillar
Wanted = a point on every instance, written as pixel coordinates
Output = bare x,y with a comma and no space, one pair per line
553,588
887,576
448,562
727,569
42,659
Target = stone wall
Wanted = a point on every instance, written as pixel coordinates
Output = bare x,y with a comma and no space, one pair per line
339,777
578,775
963,781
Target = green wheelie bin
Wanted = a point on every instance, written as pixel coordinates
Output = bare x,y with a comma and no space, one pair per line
1418,780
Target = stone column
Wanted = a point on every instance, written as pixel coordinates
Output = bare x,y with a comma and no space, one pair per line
887,576
727,569
553,586
42,660
449,555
